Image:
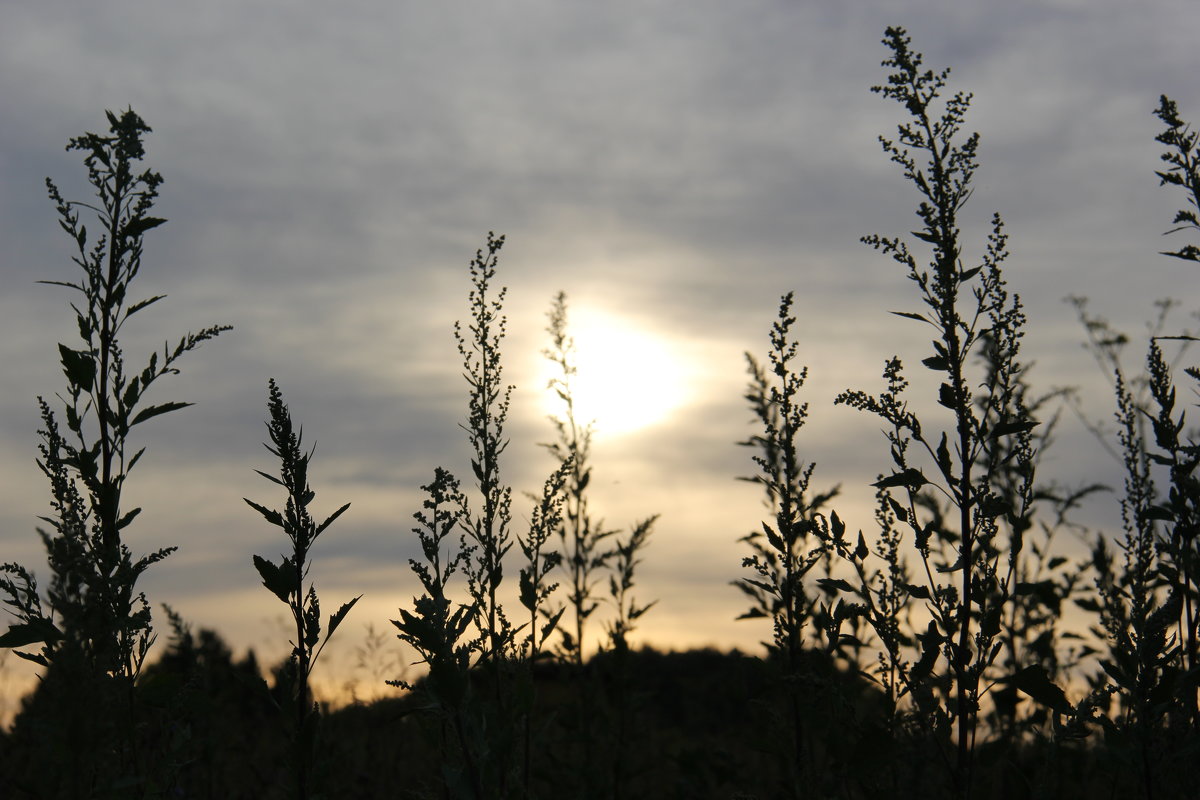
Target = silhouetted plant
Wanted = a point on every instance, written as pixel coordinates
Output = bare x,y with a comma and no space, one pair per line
621,582
1181,455
620,585
535,590
601,711
487,411
1043,581
782,555
1135,619
965,617
1183,170
437,630
1179,513
1147,602
494,729
94,627
286,581
489,529
786,549
582,536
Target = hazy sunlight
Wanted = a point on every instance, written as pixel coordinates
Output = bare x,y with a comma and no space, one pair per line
628,378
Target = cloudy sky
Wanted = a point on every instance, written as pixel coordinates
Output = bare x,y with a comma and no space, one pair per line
673,166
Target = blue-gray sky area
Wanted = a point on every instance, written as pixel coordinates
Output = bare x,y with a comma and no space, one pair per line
674,166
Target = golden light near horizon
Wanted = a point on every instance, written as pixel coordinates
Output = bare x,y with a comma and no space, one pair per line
627,378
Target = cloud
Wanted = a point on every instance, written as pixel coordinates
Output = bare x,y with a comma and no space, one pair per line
330,172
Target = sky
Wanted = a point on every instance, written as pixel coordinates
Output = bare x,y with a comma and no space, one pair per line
674,166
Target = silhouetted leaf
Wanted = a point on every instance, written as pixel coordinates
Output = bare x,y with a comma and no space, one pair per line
527,594
943,456
1013,426
330,520
36,631
955,567
75,286
911,315
137,227
336,619
947,396
766,587
154,411
919,592
281,580
1117,674
861,551
271,478
989,626
993,506
637,611
931,647
835,583
552,623
312,619
79,367
130,396
936,363
774,538
271,516
1187,253
1034,681
911,478
839,527
1159,512
136,307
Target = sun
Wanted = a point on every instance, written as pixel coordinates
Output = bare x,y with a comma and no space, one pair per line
627,378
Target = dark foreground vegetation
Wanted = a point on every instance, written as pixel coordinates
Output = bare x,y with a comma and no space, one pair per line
924,655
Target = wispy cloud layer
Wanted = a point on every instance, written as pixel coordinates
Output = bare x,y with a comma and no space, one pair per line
330,171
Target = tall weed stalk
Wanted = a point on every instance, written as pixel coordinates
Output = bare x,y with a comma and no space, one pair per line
602,711
93,627
494,729
1178,452
786,549
1147,592
286,579
626,559
582,536
489,527
968,308
437,629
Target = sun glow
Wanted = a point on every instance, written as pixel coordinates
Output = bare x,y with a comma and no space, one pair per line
626,377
